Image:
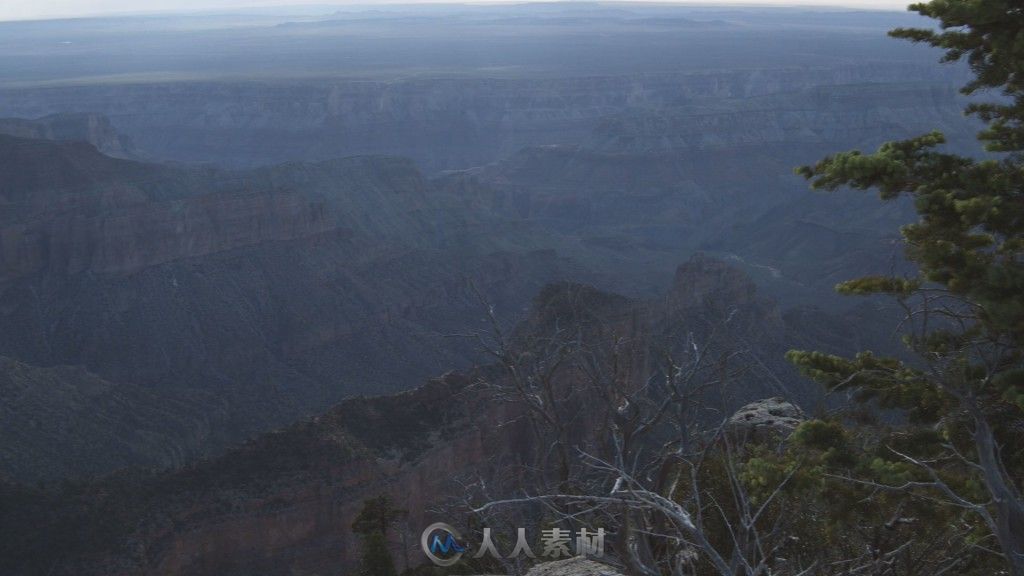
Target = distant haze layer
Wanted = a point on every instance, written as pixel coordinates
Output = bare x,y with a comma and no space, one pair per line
34,9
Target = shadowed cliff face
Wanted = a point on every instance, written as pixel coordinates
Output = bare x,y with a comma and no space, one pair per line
44,176
284,503
651,186
266,294
238,301
358,191
94,129
242,298
64,421
281,504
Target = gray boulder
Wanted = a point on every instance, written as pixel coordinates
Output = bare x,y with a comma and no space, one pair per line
771,417
573,567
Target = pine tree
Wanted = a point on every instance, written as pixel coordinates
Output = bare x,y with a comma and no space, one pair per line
372,526
965,307
376,559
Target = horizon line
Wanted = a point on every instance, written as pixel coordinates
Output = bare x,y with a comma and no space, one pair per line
279,6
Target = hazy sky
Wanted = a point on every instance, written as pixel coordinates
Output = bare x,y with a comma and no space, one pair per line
25,9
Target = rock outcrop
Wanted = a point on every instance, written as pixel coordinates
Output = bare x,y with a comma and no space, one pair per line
284,502
93,129
573,567
768,418
248,299
242,300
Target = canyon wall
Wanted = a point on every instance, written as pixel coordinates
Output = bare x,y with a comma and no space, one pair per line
223,304
454,123
284,502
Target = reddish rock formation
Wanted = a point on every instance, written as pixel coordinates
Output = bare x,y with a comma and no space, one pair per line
152,233
284,503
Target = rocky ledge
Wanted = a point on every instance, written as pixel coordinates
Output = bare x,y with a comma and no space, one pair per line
572,567
771,417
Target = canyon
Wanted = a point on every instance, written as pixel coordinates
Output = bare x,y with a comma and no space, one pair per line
250,262
283,503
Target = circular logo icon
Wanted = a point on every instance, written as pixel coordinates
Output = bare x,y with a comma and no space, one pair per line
440,542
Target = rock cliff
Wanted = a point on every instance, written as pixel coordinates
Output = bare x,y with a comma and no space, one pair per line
284,502
94,129
248,299
481,120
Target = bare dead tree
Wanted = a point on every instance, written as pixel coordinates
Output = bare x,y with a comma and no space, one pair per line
641,404
679,523
537,373
620,424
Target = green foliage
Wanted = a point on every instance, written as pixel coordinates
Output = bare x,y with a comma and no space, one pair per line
828,519
376,516
376,559
1011,384
887,381
987,33
828,438
965,308
372,524
969,235
878,285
